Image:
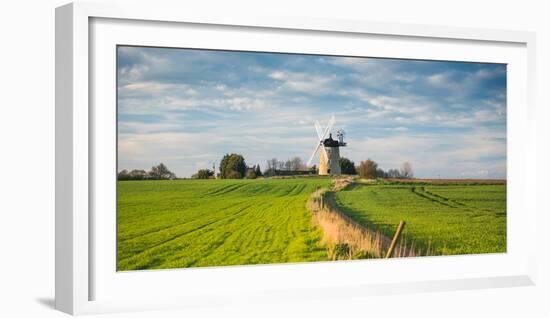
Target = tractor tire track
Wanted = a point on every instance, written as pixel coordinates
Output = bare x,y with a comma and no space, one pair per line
226,189
158,230
173,238
423,195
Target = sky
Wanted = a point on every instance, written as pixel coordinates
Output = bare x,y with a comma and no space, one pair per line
187,108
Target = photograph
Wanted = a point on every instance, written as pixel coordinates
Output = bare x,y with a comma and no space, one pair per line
229,158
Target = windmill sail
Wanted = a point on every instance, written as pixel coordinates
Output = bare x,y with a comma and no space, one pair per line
313,154
319,130
322,135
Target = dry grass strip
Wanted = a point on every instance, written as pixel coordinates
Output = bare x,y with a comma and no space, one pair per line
345,238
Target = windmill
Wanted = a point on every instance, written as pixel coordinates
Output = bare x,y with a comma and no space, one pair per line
328,148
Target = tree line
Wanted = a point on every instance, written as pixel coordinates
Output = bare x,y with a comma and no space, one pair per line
369,169
159,172
287,167
233,166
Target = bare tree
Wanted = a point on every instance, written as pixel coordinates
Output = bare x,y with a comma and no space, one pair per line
393,173
258,171
406,171
296,164
367,169
288,165
272,164
380,173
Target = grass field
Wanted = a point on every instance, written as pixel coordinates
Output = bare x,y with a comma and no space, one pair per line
447,218
190,223
195,223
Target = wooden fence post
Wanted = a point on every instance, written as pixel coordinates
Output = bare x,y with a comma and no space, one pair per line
395,238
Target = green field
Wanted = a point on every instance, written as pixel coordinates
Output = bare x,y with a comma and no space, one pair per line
195,223
450,219
191,223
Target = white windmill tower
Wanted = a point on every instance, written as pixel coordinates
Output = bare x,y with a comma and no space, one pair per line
329,154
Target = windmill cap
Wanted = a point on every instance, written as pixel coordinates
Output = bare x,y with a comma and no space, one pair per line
329,142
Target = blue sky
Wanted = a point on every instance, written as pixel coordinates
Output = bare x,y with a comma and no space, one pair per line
187,108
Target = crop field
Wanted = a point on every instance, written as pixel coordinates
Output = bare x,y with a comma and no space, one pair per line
192,223
197,223
445,219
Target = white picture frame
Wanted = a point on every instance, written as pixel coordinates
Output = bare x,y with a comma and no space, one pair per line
84,285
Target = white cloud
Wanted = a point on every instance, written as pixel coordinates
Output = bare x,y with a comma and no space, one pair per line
134,72
431,155
278,75
241,103
403,104
440,80
154,88
305,82
204,104
398,128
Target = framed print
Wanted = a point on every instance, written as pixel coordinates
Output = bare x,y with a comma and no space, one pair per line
217,120
202,160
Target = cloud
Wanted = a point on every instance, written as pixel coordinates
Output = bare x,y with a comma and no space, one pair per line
446,155
463,83
187,108
304,82
440,80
